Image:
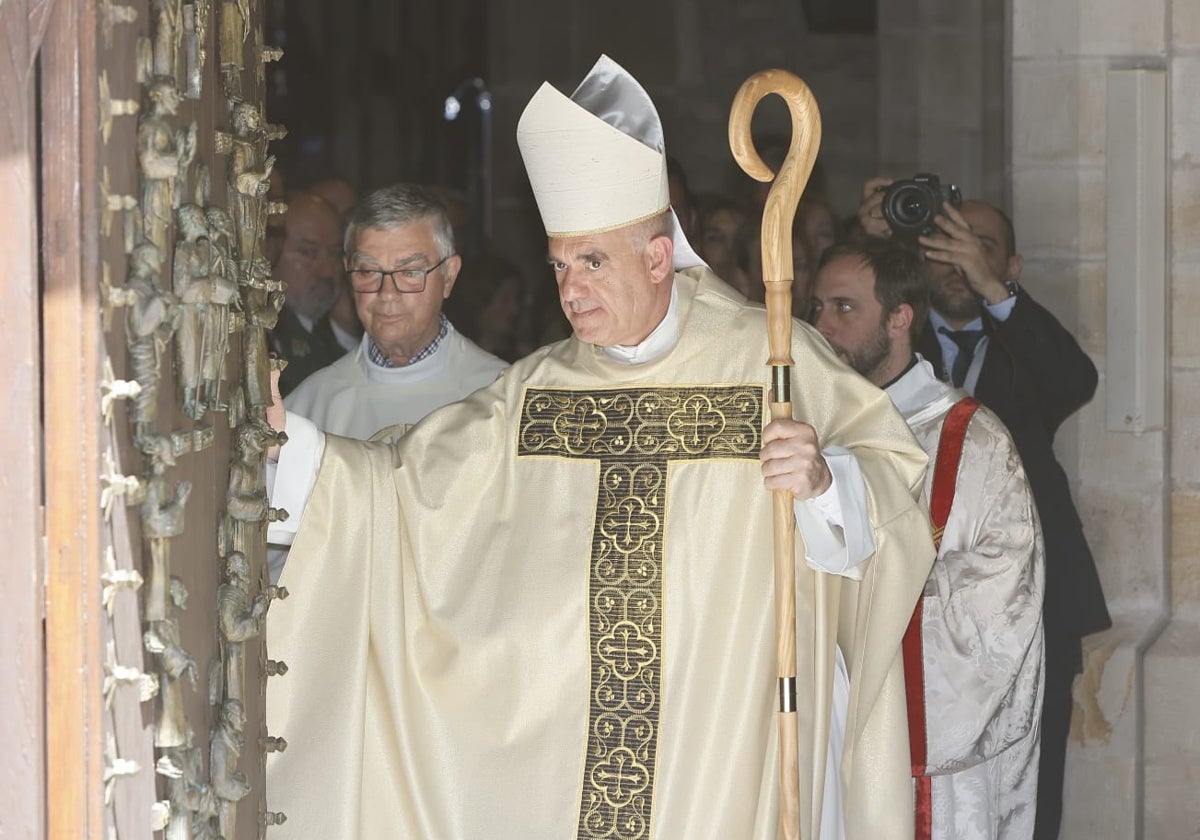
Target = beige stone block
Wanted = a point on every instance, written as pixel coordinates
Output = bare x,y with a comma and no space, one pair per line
955,154
950,82
1097,793
1103,715
1185,314
1117,458
1172,739
1185,211
951,14
1042,29
1102,749
1185,110
1059,110
1060,212
1123,522
1089,27
1185,24
1185,427
1054,283
1091,327
1185,551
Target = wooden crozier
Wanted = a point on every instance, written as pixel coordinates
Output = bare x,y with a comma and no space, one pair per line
778,215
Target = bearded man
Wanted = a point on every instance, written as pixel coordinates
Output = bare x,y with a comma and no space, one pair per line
974,650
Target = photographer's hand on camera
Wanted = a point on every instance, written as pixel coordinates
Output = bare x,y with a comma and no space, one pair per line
959,246
870,210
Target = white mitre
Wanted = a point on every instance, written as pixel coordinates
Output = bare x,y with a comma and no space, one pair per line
596,160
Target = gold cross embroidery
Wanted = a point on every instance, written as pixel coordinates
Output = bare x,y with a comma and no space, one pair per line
635,434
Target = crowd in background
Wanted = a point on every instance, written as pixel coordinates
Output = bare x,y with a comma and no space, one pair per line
508,313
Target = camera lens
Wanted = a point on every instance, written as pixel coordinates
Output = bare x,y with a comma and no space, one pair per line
912,207
909,207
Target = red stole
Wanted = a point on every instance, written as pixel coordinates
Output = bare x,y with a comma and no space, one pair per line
945,477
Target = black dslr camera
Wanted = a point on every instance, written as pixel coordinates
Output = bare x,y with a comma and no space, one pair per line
909,206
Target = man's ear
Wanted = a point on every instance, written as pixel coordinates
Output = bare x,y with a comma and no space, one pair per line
452,267
661,252
1012,270
900,321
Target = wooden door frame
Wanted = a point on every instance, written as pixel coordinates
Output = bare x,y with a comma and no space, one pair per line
71,349
22,720
50,719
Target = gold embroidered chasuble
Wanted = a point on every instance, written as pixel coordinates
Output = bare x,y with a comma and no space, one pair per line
546,611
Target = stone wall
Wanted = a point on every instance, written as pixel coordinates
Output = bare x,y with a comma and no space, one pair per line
1134,753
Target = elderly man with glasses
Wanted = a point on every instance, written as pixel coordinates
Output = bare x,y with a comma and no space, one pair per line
401,263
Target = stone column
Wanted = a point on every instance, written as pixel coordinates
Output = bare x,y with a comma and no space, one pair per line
1130,767
1172,751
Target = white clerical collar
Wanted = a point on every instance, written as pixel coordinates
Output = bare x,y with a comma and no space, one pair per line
431,367
654,346
917,388
305,321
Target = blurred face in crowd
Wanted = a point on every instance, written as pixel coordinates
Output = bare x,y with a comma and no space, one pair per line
803,265
499,317
401,323
819,227
719,238
846,311
338,193
615,286
310,257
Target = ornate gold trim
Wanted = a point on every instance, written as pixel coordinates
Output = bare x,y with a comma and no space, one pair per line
635,433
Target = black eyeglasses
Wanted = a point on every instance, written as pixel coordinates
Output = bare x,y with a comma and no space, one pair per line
407,281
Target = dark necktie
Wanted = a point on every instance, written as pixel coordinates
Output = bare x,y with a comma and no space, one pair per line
966,341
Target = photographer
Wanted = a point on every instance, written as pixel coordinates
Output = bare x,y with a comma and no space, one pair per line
988,336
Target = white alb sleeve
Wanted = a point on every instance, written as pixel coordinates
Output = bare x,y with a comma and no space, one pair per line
291,480
835,525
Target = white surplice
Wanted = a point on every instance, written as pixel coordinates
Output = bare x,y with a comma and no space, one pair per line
981,630
354,397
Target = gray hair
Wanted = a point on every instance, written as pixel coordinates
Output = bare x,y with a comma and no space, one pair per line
397,206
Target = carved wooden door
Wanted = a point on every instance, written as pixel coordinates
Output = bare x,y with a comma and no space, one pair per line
135,162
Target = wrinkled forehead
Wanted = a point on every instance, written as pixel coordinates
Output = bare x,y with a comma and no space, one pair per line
610,242
408,239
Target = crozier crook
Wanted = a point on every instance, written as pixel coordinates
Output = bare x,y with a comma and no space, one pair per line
778,215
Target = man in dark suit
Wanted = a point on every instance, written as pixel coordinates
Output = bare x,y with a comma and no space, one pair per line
309,263
987,335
